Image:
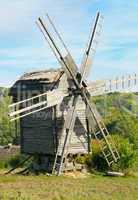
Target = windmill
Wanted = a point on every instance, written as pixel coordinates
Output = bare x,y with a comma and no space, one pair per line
77,89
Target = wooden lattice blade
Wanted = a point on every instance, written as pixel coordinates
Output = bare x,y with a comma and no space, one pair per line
113,85
90,51
71,65
34,104
58,46
88,66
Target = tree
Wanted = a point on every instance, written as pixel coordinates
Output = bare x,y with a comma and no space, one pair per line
7,129
118,116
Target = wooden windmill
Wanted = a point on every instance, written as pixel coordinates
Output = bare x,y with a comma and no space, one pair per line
70,97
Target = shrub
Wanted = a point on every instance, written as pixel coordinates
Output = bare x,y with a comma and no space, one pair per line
81,159
16,160
3,163
97,160
128,155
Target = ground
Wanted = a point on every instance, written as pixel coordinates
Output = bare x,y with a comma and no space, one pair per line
80,187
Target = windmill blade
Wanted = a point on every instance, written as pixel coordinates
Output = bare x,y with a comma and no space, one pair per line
68,58
87,69
122,83
96,88
101,133
63,147
113,85
58,46
91,47
56,80
69,62
35,104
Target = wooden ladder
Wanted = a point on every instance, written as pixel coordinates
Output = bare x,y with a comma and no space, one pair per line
106,144
61,155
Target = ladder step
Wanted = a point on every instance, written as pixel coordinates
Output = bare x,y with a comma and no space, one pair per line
58,164
93,50
99,132
95,41
111,162
98,33
104,147
109,154
100,26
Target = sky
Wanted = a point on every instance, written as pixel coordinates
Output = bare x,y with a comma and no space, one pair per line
23,49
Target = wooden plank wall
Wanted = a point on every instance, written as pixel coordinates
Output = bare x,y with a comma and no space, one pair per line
42,131
37,133
79,141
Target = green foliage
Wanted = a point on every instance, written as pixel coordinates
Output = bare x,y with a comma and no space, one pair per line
7,129
97,159
12,161
120,115
81,159
128,155
15,160
3,163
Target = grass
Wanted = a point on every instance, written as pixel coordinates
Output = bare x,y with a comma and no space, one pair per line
93,187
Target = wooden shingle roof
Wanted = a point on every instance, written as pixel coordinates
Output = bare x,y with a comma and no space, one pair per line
45,75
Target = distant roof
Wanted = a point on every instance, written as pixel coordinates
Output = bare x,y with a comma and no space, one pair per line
45,75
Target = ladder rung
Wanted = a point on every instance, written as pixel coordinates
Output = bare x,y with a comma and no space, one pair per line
109,154
95,41
100,26
97,133
58,164
98,33
104,147
93,50
117,156
100,132
111,162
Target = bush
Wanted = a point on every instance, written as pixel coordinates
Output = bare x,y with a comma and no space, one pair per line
128,155
81,159
11,162
97,160
15,160
3,163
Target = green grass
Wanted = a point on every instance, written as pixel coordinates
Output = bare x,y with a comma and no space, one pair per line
92,187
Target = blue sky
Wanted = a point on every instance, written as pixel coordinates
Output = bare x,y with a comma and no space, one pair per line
23,49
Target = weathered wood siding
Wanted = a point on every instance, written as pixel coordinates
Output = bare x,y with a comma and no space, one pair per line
38,133
43,131
78,142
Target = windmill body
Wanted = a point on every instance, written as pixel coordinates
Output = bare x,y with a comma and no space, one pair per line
43,132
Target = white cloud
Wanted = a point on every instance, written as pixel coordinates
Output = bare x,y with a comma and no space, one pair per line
23,48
